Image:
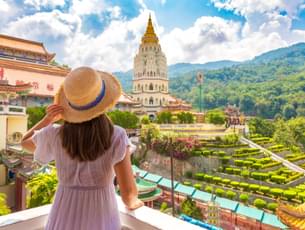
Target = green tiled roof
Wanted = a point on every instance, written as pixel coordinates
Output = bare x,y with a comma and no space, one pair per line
203,196
272,220
185,189
167,183
152,177
250,212
136,169
227,204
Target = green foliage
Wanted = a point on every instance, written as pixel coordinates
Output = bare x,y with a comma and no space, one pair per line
42,188
208,189
243,198
197,186
276,192
165,117
244,185
189,208
261,126
219,192
264,189
124,119
187,183
163,206
145,120
283,134
185,118
216,117
199,176
230,194
149,133
259,203
35,114
289,194
272,206
4,209
189,174
254,187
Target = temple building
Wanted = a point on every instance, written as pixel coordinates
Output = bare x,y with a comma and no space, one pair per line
28,62
150,79
24,61
294,217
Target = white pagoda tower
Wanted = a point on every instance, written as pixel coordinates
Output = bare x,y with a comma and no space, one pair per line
150,81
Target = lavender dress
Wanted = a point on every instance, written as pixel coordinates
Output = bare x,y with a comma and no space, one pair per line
85,197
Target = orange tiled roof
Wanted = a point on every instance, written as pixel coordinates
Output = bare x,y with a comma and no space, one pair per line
125,99
22,44
293,217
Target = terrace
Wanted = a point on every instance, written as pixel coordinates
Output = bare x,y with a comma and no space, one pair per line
142,218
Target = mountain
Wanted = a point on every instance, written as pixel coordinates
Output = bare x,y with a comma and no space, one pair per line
176,70
182,68
291,51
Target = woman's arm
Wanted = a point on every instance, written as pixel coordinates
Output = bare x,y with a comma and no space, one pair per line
128,188
52,115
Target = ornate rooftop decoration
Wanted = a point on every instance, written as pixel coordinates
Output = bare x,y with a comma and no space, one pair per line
150,35
294,217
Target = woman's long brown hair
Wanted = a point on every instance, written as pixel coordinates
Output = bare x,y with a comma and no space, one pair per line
88,140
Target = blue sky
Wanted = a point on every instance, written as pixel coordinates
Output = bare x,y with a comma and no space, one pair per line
106,34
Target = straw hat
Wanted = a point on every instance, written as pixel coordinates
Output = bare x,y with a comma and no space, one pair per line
87,93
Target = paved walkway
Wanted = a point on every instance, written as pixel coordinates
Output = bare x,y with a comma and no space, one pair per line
274,156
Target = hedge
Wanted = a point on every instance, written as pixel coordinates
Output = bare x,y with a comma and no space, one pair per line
230,194
199,176
216,179
229,170
253,187
208,189
272,206
197,186
237,171
272,164
289,194
260,176
278,179
256,165
234,184
259,203
244,185
226,181
244,197
219,192
276,192
239,162
264,189
208,178
188,183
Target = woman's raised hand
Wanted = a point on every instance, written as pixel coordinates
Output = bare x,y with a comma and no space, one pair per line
54,113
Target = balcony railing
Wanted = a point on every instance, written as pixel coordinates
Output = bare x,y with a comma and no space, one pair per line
12,110
143,218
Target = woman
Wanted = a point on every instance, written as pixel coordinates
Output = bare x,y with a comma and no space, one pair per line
88,151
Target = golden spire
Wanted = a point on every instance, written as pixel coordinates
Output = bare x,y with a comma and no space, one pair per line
150,35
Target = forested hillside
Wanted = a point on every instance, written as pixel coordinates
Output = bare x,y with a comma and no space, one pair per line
271,84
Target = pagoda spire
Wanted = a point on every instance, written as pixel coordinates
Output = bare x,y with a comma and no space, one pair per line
150,35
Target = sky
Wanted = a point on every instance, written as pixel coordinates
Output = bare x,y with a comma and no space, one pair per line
106,34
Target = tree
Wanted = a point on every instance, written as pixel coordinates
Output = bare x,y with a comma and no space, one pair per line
244,198
145,120
216,117
261,126
272,206
164,118
163,207
185,117
35,114
247,104
4,209
289,112
219,192
208,189
230,194
259,203
189,208
283,134
124,119
42,189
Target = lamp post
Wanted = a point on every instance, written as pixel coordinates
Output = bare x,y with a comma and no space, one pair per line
172,175
200,78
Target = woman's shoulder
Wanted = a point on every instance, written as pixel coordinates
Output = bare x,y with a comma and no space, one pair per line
118,131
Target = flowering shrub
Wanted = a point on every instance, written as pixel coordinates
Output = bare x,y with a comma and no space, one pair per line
182,148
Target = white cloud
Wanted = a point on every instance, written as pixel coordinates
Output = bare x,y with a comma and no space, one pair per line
44,3
4,6
113,49
86,7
